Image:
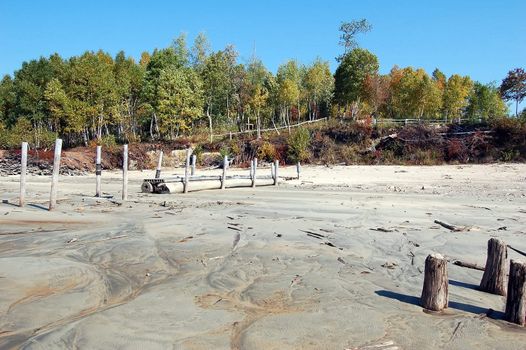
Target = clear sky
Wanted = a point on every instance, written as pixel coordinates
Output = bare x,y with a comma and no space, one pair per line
483,39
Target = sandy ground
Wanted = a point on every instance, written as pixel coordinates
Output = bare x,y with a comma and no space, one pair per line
299,266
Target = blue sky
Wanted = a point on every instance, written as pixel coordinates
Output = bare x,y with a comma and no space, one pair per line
483,39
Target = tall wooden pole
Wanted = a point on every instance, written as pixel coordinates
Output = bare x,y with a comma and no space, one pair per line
493,280
98,171
276,174
56,171
194,160
186,171
435,291
159,165
125,173
516,298
298,169
23,172
223,177
254,170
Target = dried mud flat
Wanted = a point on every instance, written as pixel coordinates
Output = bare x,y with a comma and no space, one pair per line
331,261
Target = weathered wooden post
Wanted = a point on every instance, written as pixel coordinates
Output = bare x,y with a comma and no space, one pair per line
435,291
159,165
186,171
493,280
23,173
298,169
230,135
276,174
223,176
98,171
516,298
194,160
255,168
56,171
125,173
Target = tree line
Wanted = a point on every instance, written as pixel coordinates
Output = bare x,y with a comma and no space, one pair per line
182,89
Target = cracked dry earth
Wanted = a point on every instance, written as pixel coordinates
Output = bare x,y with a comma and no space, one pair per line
330,262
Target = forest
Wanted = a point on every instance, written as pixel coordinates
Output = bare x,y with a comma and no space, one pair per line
184,90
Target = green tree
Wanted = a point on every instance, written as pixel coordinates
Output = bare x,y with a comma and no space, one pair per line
513,87
180,100
349,30
485,102
350,76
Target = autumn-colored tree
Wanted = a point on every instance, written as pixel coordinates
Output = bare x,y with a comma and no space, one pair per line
456,95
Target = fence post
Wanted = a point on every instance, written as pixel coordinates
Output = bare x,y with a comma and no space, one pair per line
223,177
435,290
159,165
125,173
276,167
194,160
254,172
56,171
298,169
186,171
23,172
495,270
230,135
516,298
98,171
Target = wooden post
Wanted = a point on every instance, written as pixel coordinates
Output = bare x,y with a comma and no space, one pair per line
516,298
194,160
230,135
56,171
159,165
23,172
298,169
125,173
252,170
186,171
276,174
98,171
493,280
223,177
435,290
255,167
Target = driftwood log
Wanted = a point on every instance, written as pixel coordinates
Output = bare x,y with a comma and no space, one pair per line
516,298
494,278
435,291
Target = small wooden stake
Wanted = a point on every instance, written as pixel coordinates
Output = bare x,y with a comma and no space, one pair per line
254,169
435,290
23,173
493,280
98,171
223,177
194,160
516,298
186,171
125,173
159,165
56,171
276,167
298,169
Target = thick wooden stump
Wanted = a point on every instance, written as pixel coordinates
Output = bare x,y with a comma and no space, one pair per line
435,290
516,299
494,278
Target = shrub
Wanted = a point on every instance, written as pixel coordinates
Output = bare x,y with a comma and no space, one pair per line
266,151
108,141
298,145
